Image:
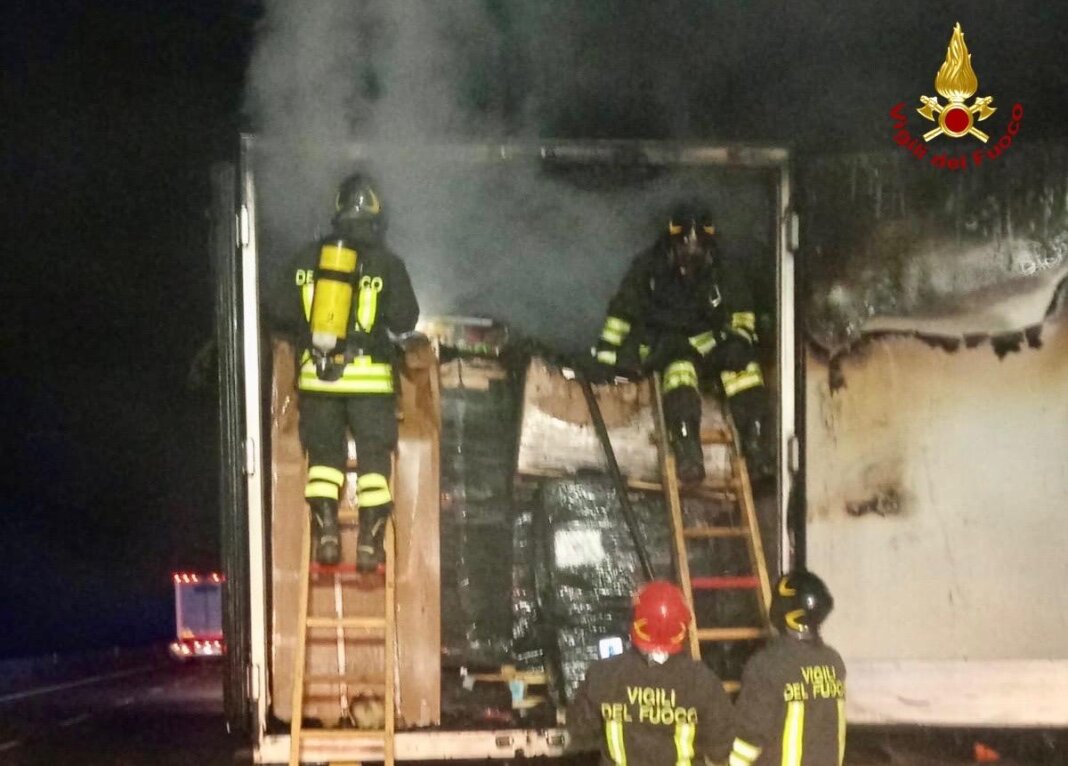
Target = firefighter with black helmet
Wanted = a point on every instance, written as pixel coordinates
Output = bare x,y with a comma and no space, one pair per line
791,710
653,704
344,297
685,311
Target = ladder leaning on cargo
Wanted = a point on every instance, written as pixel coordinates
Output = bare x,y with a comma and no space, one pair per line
736,490
384,625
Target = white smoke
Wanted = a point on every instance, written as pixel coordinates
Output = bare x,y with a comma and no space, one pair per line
336,84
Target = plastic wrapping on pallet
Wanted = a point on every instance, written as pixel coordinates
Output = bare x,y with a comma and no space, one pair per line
593,566
478,436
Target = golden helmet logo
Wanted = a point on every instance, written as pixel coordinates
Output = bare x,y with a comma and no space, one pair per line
956,82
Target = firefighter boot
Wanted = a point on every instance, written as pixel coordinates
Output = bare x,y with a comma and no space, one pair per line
370,550
758,460
689,460
327,534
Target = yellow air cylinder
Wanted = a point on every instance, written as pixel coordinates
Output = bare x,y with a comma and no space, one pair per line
333,294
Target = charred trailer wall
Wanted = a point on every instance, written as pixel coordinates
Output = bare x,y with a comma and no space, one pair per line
937,427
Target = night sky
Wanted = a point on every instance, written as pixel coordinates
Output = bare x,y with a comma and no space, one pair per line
113,113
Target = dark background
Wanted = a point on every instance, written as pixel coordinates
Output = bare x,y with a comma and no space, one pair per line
112,115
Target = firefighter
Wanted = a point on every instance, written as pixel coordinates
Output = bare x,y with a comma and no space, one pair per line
685,311
653,704
791,710
344,296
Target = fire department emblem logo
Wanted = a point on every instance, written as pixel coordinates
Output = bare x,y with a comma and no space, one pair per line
956,82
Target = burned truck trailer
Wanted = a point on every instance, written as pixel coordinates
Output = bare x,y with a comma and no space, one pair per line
544,188
572,213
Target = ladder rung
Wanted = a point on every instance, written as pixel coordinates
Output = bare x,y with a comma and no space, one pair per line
343,733
732,686
366,623
725,582
708,485
703,533
348,517
716,436
345,570
730,634
353,682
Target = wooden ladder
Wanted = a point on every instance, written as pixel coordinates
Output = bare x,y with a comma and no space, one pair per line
737,491
339,623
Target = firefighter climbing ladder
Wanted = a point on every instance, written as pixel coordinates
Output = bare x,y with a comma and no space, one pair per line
306,622
736,490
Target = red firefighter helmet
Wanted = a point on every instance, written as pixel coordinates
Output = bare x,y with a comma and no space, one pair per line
661,618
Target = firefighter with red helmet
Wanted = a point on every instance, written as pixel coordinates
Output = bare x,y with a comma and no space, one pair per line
653,704
685,311
791,710
344,297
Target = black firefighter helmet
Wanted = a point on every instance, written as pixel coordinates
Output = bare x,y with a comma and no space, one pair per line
358,206
691,234
800,603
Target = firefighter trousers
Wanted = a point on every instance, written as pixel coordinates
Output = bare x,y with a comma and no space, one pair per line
372,420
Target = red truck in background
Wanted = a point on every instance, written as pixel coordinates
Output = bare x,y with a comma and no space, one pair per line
197,616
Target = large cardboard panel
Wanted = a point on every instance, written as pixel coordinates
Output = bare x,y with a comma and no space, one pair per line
416,519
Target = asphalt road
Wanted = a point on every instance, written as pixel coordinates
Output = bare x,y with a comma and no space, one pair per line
159,714
165,714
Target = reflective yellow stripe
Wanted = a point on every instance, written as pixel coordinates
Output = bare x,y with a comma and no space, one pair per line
367,308
684,734
307,293
326,473
360,376
744,323
736,382
617,325
704,342
841,732
372,481
606,357
613,732
680,374
373,490
322,489
743,753
609,336
793,733
643,352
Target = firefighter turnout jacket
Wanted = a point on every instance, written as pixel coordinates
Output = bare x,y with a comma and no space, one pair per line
383,302
646,714
791,710
703,310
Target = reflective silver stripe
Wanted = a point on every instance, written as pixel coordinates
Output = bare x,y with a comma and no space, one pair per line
606,357
744,752
325,489
684,734
326,473
793,734
704,342
841,732
613,732
736,382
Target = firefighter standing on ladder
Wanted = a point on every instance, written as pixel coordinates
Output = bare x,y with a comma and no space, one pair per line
682,310
344,296
791,710
653,704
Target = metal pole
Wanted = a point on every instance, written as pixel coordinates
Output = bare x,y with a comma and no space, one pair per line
617,476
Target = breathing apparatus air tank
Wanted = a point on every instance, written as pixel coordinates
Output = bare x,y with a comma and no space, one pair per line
332,302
